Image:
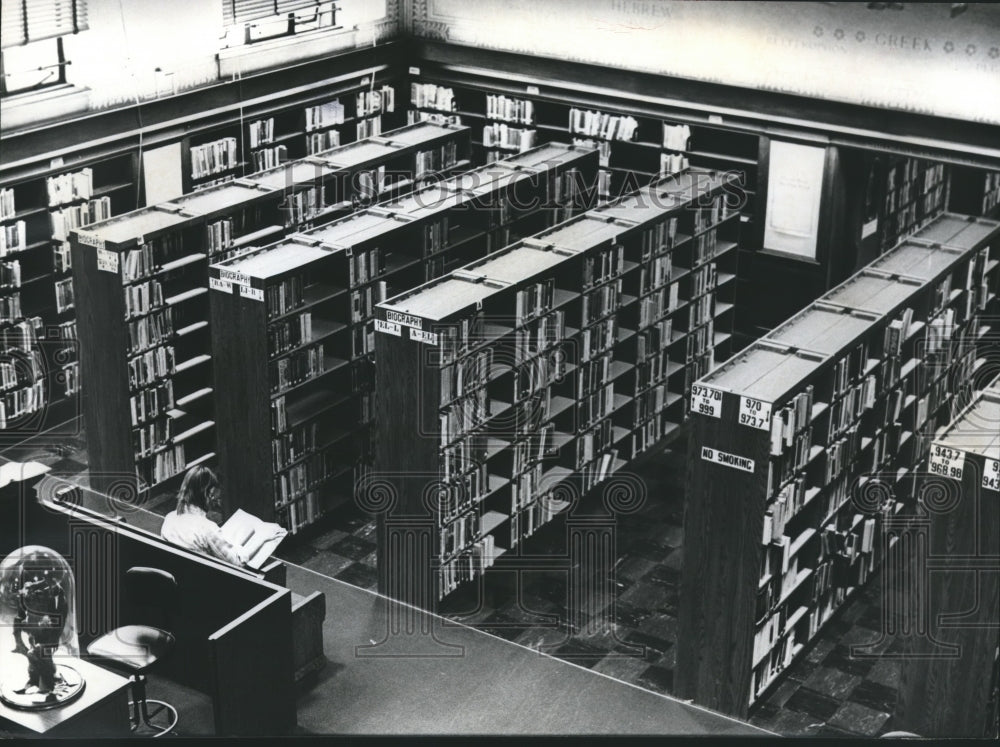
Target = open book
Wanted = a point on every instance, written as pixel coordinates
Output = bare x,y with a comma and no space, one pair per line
255,539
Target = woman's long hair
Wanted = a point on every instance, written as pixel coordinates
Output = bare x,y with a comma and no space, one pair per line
196,489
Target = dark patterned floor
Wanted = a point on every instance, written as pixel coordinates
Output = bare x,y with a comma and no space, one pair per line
830,691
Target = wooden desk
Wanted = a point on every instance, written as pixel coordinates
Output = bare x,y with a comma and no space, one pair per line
100,711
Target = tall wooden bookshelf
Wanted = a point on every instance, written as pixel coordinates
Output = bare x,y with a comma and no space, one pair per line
546,366
948,677
801,443
150,267
267,136
40,385
294,379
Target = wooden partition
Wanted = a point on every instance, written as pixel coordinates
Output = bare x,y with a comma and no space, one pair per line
223,620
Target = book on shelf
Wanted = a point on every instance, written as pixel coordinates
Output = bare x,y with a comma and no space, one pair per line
509,109
676,137
370,127
673,163
64,295
261,132
324,115
431,96
7,209
69,187
213,158
66,219
499,134
255,539
601,124
320,141
13,238
374,102
267,158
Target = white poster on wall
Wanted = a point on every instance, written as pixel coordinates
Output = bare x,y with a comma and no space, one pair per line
794,188
162,175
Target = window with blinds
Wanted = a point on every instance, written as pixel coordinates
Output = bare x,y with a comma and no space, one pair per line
243,11
24,21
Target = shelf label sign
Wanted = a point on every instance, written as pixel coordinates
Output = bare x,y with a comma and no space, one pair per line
991,475
236,278
706,401
430,338
755,413
220,285
414,70
869,228
532,90
405,319
256,294
727,460
947,462
390,328
107,261
88,239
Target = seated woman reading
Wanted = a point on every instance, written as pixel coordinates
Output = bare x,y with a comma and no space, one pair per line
189,526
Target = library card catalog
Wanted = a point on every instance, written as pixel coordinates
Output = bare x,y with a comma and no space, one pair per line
430,338
991,475
107,261
726,459
257,294
220,285
947,462
706,401
755,413
390,328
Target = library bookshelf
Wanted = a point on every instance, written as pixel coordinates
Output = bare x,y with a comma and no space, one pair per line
143,282
803,443
266,137
949,675
293,323
40,371
540,371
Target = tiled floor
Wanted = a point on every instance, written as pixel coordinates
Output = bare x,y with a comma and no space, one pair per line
828,692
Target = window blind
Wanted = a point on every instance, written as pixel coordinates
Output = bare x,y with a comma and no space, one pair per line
23,21
241,11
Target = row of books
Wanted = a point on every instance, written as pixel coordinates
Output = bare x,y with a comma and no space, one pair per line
412,117
850,368
500,135
528,450
213,158
464,490
23,335
317,142
142,298
598,338
851,405
458,534
63,188
432,96
510,109
268,158
650,432
301,512
143,261
473,562
654,338
463,376
789,501
296,368
673,163
534,376
654,306
700,309
365,266
991,191
307,474
370,127
288,295
261,132
7,209
324,115
598,470
592,374
676,137
373,102
653,369
150,436
62,258
463,414
529,519
290,333
592,442
162,465
603,266
840,453
151,402
790,419
456,340
650,402
705,246
698,368
896,333
13,238
603,149
658,238
436,159
64,295
10,308
703,279
149,331
596,405
20,369
707,216
303,205
21,402
219,236
700,340
655,273
10,274
70,373
597,303
151,366
602,125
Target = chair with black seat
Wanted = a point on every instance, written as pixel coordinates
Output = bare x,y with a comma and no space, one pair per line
135,649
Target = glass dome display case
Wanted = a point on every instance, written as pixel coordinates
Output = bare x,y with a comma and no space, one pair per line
38,637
